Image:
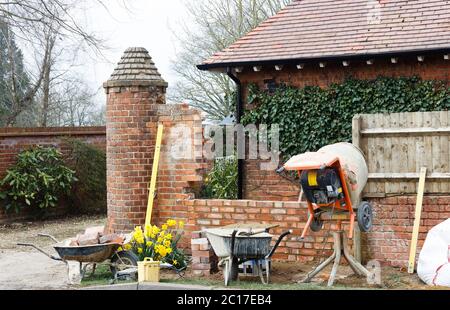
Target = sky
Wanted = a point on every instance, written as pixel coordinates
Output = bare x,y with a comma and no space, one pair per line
145,23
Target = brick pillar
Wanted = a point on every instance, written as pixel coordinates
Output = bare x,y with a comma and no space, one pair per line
132,91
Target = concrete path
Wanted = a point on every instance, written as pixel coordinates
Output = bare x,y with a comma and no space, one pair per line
31,271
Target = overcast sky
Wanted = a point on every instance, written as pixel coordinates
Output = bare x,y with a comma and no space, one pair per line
147,24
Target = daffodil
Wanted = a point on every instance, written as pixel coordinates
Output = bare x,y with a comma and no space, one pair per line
181,224
167,243
175,262
168,237
164,227
140,250
149,244
171,223
127,247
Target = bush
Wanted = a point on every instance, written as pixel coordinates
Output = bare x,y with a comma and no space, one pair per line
221,182
312,117
37,180
88,195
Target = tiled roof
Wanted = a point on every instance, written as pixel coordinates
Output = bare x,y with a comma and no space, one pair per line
313,29
136,65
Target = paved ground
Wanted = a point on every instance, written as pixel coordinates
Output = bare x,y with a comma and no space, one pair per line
30,271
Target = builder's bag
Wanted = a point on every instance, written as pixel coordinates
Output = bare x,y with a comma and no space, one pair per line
434,261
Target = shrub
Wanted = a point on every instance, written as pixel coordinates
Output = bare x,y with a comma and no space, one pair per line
89,193
312,117
37,180
221,182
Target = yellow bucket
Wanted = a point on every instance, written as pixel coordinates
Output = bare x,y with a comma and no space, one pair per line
148,271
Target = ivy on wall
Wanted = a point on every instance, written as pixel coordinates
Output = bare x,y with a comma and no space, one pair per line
312,117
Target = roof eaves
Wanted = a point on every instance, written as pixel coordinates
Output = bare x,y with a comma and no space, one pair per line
359,56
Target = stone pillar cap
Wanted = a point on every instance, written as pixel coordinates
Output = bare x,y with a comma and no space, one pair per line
136,68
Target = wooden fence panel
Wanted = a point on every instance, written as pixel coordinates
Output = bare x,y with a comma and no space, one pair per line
398,145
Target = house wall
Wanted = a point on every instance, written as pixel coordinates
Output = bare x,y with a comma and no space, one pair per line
266,185
15,140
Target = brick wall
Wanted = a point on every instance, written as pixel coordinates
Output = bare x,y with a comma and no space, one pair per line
135,106
266,185
388,242
15,140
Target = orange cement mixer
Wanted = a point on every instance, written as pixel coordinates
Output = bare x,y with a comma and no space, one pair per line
332,182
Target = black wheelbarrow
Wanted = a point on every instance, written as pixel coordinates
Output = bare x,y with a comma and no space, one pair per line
235,247
92,255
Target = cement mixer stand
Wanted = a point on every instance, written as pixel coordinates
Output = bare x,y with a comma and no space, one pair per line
341,249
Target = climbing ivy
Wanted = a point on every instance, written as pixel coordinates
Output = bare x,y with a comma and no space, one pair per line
312,117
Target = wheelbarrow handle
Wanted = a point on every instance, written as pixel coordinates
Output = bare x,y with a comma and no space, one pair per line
287,233
48,236
40,250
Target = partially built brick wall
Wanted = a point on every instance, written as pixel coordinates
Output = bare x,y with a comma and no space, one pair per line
135,107
15,140
388,242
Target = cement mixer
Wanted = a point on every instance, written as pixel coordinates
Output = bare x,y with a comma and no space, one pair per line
332,182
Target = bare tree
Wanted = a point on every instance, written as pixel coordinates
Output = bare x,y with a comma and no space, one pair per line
216,24
51,30
27,15
73,104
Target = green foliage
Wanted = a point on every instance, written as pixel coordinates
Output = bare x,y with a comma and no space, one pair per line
312,117
221,182
89,193
11,67
37,180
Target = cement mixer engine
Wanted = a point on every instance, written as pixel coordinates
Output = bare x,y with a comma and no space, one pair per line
322,186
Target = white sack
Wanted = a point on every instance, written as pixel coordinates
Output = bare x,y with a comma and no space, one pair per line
434,260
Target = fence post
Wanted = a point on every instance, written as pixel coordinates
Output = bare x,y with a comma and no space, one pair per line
356,137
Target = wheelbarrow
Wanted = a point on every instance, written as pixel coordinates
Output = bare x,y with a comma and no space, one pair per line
92,255
235,247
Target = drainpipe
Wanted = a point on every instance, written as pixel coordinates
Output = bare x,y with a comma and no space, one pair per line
239,114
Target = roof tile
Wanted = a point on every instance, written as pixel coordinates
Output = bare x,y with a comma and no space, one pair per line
328,28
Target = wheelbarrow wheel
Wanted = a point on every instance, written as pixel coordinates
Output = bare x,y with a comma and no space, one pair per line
123,260
365,217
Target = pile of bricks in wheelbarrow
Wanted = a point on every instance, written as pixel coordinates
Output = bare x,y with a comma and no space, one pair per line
94,236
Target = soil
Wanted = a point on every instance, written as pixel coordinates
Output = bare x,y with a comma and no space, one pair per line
292,273
27,269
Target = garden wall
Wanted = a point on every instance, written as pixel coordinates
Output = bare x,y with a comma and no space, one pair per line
388,242
15,140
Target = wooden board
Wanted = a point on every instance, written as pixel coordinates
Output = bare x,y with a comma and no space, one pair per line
155,167
417,219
